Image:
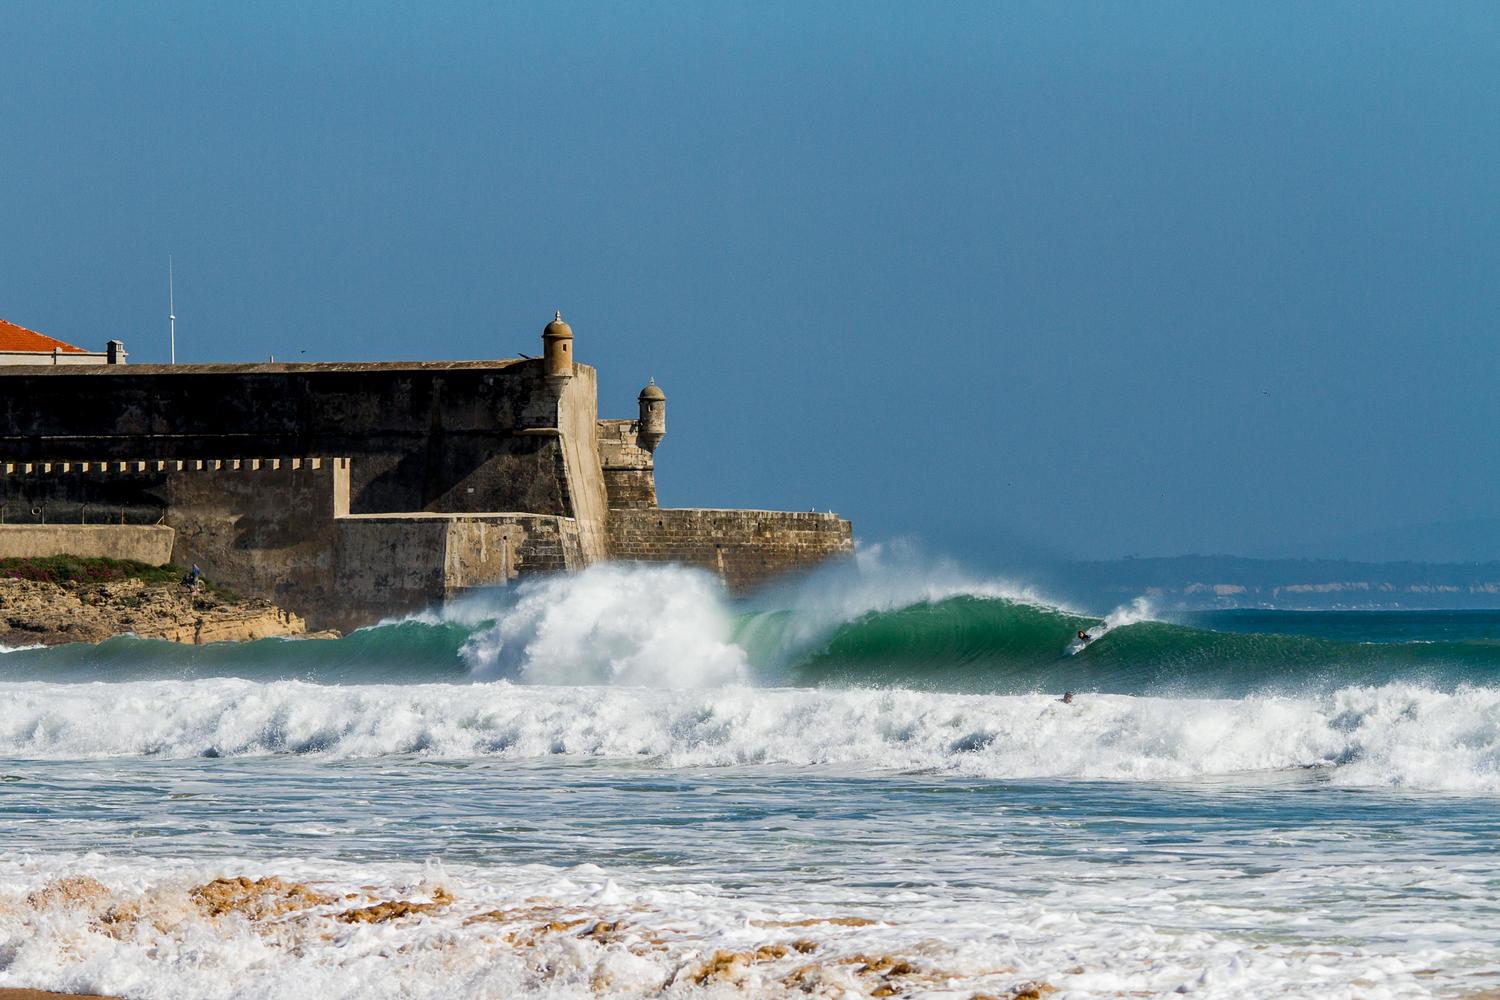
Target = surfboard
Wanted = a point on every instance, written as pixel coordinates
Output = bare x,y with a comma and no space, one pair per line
1078,645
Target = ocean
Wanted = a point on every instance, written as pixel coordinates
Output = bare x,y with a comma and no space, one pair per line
622,783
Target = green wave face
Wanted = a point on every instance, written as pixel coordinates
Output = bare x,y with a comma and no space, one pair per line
410,651
996,645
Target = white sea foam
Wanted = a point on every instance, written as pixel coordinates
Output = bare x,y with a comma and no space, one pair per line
610,624
1395,735
532,930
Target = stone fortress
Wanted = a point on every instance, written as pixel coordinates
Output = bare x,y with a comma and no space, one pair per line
350,492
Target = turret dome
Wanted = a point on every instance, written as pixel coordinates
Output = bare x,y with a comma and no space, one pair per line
557,328
652,391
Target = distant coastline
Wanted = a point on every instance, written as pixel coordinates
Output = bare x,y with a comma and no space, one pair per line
1195,582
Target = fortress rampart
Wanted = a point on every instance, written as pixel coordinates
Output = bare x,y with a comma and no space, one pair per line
351,492
746,548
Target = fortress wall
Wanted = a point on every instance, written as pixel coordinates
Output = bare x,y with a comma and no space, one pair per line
578,420
405,517
745,548
384,568
629,470
80,493
265,528
118,492
486,551
260,526
433,436
279,529
149,544
390,565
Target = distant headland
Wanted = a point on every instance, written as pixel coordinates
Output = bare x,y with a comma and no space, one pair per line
351,492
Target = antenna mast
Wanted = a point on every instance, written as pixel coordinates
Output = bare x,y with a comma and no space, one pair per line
171,311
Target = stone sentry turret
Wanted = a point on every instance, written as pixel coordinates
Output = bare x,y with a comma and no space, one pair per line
625,452
557,349
652,426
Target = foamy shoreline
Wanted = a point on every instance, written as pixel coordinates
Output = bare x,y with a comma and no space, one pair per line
181,929
557,932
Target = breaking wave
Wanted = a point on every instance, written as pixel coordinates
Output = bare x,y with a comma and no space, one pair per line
1394,735
880,625
871,666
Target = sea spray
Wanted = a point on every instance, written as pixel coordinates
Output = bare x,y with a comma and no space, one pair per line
664,626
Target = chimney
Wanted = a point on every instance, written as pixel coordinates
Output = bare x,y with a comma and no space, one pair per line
114,352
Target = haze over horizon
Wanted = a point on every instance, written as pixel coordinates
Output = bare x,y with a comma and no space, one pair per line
1061,280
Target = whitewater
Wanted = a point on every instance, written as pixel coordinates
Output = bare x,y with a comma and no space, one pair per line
623,783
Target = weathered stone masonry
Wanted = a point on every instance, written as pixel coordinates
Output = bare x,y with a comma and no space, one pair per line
349,492
745,547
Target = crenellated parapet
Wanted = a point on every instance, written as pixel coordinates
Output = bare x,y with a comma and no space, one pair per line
146,491
152,466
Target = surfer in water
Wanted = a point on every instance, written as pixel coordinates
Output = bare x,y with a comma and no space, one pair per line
1084,637
1067,698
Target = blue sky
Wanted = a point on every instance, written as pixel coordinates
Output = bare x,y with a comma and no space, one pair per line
1078,278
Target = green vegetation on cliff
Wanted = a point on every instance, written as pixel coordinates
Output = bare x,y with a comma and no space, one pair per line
73,571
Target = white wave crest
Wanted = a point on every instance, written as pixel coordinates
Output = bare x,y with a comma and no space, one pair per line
1137,611
664,626
1394,735
890,576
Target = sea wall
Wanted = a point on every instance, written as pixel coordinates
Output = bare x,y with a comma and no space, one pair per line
150,544
746,548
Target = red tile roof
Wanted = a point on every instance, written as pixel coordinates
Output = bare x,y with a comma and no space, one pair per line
18,338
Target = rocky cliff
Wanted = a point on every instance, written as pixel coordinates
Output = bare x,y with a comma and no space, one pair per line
34,612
